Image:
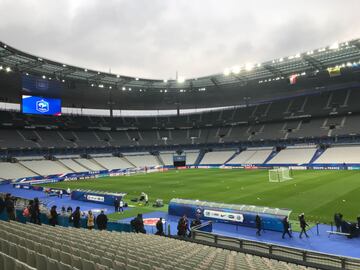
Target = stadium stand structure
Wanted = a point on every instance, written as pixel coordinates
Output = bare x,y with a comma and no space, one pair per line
252,156
340,154
294,155
167,157
141,159
67,248
217,157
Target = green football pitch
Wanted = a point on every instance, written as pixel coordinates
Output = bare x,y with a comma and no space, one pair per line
319,194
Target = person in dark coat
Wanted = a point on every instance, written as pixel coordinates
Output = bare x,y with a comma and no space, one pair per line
159,227
338,221
35,212
53,217
194,223
2,204
182,226
10,206
116,205
258,225
286,225
303,225
75,217
101,221
139,224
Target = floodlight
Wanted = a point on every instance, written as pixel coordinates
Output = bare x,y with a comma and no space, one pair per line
101,86
236,69
1,67
85,70
181,79
226,71
123,88
136,79
64,65
43,76
118,76
249,66
165,81
63,80
8,69
110,87
334,46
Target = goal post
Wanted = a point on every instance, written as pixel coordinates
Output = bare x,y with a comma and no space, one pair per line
280,174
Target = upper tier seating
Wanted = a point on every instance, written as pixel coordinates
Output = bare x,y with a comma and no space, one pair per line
62,248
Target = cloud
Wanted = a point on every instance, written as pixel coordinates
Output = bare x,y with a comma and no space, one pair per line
154,39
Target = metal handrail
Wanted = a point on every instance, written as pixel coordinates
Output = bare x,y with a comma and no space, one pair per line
277,252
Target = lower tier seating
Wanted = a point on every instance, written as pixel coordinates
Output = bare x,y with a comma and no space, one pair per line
60,248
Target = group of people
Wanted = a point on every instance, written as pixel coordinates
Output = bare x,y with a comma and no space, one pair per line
286,226
32,213
184,230
8,204
119,205
137,224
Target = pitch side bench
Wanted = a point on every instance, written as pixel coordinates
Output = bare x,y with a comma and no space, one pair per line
338,233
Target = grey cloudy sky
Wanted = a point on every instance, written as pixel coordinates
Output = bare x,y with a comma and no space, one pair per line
154,38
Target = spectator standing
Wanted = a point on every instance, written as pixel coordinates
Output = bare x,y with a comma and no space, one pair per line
61,193
35,212
101,221
338,221
303,225
182,226
10,206
53,217
286,226
90,220
116,205
258,225
159,227
76,217
121,206
2,204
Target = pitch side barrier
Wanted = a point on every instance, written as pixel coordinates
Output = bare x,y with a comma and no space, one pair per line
240,215
202,234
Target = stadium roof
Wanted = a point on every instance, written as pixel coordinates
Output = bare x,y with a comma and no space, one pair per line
339,54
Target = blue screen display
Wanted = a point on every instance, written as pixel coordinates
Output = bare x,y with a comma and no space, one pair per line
41,105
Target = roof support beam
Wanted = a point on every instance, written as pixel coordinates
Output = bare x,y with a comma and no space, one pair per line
313,62
274,71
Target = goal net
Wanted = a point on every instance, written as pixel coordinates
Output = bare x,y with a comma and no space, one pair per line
280,174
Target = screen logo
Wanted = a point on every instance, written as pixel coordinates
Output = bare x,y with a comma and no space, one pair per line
42,106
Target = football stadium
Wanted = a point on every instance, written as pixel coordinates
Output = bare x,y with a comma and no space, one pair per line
254,167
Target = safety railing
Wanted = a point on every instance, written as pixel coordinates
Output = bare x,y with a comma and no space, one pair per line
201,234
